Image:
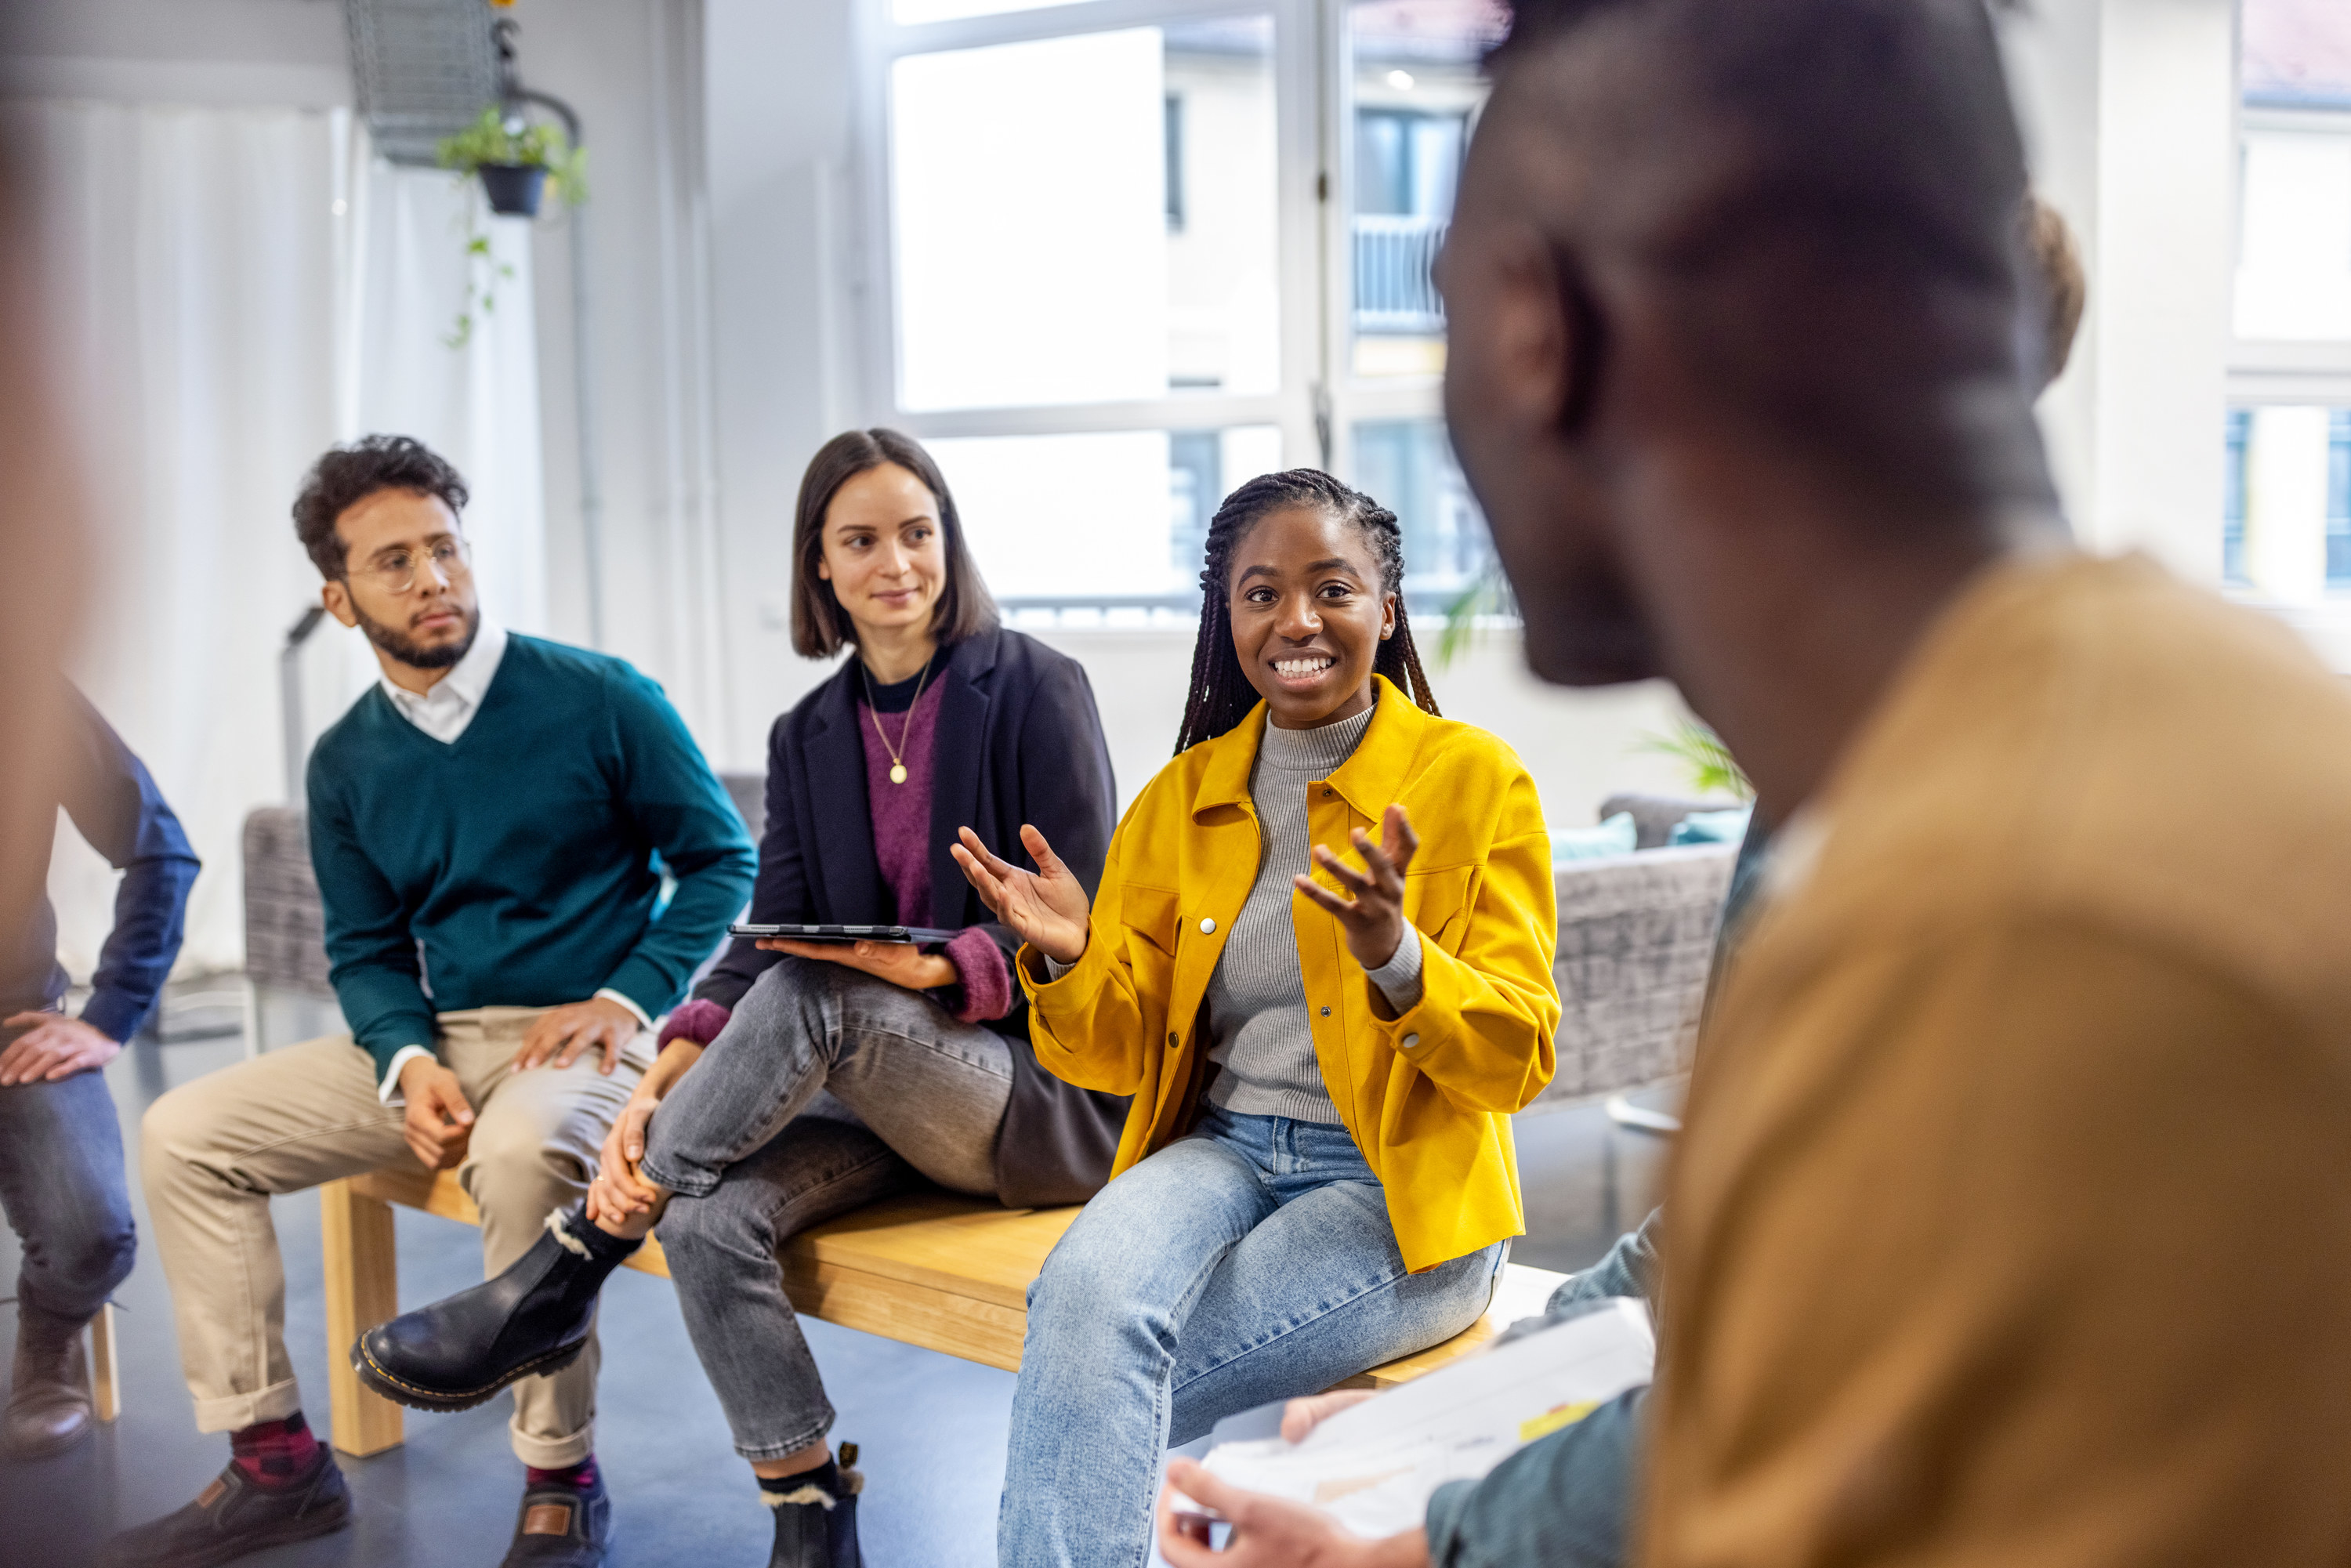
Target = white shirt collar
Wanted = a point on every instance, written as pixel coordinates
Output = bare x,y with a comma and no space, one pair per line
444,712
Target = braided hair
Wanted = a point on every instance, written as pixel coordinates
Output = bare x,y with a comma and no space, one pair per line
1220,694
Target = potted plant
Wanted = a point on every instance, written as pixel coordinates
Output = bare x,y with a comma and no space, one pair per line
516,162
517,165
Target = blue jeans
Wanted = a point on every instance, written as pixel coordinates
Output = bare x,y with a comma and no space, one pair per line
827,1090
62,1185
1250,1261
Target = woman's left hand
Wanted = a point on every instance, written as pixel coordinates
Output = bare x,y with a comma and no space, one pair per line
900,963
1373,917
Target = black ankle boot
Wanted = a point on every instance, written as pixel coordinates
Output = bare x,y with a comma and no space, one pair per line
535,1317
816,1515
48,1402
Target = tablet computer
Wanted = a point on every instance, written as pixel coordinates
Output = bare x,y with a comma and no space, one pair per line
921,936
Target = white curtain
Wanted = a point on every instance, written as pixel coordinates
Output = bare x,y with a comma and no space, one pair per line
232,290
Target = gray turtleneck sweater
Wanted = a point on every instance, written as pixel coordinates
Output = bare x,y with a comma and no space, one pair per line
1256,998
1257,1024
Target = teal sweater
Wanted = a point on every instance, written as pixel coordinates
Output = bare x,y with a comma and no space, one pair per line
516,867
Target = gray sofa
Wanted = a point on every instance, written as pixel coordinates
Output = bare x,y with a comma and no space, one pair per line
1636,936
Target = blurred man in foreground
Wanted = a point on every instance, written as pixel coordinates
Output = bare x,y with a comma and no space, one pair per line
2006,1224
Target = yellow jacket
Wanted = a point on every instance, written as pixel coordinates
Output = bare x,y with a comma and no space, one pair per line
1427,1097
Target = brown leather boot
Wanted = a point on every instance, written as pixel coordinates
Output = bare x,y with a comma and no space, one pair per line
49,1404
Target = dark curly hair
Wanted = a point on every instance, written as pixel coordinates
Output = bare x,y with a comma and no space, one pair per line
347,476
1220,694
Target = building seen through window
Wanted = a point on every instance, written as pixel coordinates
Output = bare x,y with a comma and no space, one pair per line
2287,515
1414,85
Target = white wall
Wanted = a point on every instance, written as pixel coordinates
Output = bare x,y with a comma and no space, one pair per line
279,53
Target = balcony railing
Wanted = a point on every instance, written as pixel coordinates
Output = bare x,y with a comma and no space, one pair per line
1395,288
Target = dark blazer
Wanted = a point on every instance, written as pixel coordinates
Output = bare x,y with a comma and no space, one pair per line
1018,741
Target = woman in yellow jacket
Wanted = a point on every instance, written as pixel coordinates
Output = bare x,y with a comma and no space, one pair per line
1324,1051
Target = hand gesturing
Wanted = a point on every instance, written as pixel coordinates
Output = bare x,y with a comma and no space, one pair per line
1374,918
1047,906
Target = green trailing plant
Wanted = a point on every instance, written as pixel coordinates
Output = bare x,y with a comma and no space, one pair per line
484,273
1712,769
1487,593
495,140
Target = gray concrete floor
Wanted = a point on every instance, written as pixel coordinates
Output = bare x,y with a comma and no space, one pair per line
931,1427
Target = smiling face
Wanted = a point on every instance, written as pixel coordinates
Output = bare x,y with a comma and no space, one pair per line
884,553
430,624
1308,611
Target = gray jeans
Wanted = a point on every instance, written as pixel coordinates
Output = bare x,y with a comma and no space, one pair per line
828,1088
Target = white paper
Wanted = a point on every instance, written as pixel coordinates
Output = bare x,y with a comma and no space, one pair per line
1371,1467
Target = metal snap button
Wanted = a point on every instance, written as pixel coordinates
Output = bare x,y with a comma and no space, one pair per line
1410,1040
1208,927
1326,1012
1171,1040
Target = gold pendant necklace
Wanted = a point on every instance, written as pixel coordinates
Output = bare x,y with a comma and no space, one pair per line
897,760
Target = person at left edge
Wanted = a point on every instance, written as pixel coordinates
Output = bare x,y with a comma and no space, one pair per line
489,818
61,1177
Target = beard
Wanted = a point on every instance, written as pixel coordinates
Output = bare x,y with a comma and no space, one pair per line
416,656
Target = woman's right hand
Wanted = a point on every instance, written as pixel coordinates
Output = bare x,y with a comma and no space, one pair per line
617,1191
1046,907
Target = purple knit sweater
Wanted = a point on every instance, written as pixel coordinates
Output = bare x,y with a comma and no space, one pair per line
902,847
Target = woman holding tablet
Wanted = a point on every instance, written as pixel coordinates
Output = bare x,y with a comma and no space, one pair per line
1319,960
804,1080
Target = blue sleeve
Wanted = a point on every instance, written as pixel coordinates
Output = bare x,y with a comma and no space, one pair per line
114,803
677,802
374,956
1566,1500
1631,1269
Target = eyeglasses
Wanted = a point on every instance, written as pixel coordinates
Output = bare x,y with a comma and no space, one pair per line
396,570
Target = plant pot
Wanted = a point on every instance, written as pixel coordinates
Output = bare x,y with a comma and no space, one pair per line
514,189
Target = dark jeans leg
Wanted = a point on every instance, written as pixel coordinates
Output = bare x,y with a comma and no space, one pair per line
722,1252
932,1088
913,1093
62,1186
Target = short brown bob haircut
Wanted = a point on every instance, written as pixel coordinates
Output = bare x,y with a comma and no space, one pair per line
821,628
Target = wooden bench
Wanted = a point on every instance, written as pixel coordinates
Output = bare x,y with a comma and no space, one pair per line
947,1273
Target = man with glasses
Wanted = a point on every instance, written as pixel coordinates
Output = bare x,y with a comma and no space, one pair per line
490,826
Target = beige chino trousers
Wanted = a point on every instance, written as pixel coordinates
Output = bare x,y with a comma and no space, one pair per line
215,1150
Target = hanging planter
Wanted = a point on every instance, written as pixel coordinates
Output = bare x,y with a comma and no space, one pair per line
519,164
517,161
514,189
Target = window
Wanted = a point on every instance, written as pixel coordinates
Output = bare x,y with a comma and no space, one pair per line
1174,137
1128,253
2338,499
2232,526
2286,525
1408,464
